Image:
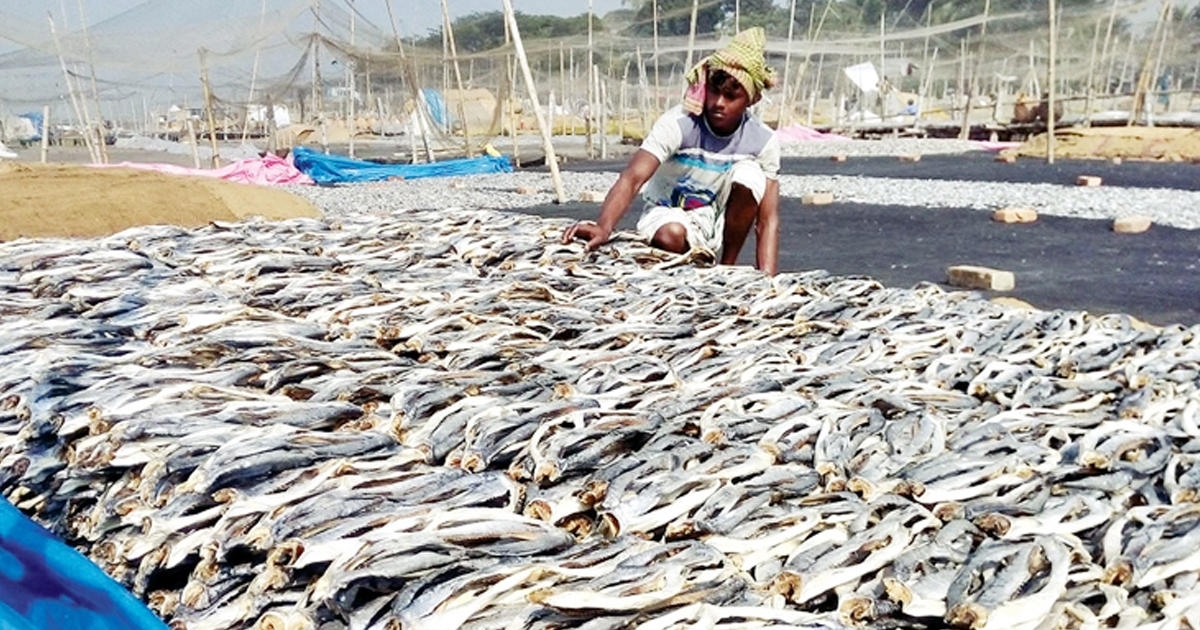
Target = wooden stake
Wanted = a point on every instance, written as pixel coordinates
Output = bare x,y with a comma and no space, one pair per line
551,158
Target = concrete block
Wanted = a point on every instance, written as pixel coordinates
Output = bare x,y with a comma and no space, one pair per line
591,196
526,190
1015,215
817,199
838,158
1087,180
1116,161
916,157
1133,224
458,184
1007,159
975,277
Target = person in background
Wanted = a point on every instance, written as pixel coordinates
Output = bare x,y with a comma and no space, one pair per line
708,170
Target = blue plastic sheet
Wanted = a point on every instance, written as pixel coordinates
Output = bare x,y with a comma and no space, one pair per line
47,585
337,169
437,107
39,125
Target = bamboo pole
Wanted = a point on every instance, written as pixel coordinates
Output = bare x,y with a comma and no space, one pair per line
262,18
1112,16
591,90
462,94
1091,78
87,42
965,132
882,63
80,112
1144,77
1162,47
351,107
602,102
410,78
787,68
692,36
1052,57
922,86
510,84
45,155
208,106
657,61
551,158
191,125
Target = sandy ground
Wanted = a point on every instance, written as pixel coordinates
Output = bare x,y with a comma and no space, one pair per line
81,201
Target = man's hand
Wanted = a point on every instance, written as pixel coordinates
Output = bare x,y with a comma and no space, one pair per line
587,231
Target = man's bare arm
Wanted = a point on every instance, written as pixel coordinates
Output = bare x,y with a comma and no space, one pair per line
640,168
767,231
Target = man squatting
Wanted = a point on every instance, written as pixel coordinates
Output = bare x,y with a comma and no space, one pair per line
708,170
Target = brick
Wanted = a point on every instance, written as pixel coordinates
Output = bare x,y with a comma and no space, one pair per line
1012,302
1087,180
1015,215
975,277
841,157
1007,159
591,196
1133,224
817,199
916,157
526,190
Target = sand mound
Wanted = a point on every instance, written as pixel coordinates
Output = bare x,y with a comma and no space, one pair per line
39,200
1166,144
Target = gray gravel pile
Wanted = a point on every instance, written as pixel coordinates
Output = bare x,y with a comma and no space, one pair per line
1164,206
883,146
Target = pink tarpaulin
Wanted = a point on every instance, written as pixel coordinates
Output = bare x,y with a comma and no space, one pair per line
987,145
270,170
800,133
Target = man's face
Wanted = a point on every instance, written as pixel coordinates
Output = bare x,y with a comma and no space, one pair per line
725,102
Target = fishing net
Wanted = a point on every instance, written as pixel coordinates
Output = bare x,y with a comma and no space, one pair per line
325,71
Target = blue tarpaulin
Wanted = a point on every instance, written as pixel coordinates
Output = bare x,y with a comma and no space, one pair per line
39,125
437,107
337,169
47,585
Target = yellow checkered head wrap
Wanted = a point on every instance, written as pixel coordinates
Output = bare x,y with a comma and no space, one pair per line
744,59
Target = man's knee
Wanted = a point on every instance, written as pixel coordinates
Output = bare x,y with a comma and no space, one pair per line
671,237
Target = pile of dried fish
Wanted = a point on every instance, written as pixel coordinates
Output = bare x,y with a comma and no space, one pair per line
448,419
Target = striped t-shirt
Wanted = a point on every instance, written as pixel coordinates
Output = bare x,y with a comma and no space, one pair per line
693,159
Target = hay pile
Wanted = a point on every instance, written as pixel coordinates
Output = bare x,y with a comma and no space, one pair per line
1164,144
